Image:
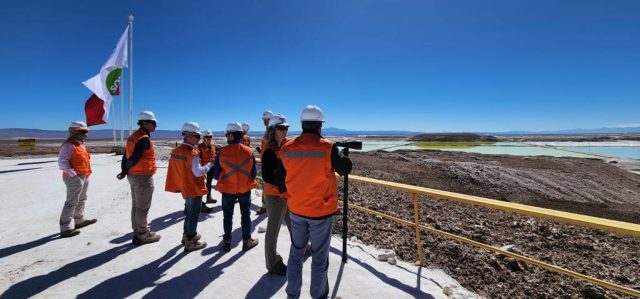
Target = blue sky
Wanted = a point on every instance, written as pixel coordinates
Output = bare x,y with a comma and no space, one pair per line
371,65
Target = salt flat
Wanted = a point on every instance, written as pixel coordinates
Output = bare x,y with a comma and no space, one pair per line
102,263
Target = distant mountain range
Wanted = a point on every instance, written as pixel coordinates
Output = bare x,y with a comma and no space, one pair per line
108,134
12,133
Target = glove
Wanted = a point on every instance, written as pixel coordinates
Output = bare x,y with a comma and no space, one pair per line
121,175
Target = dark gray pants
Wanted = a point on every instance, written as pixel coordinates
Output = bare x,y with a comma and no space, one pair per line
277,212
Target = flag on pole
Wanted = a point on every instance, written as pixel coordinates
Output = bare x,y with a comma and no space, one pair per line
106,84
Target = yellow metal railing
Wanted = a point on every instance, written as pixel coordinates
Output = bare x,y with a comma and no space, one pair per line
626,228
588,221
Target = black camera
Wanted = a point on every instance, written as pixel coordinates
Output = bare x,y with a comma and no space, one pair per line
350,144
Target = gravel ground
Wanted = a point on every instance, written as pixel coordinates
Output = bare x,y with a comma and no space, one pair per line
583,186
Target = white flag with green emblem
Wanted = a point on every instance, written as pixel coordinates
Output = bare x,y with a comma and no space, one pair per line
106,84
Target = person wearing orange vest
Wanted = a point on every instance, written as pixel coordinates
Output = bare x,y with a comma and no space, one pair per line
186,175
235,171
246,140
274,200
306,172
207,153
74,161
139,166
263,145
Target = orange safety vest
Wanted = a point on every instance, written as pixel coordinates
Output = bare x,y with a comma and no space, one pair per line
206,153
147,163
80,159
270,189
236,161
246,140
312,190
180,178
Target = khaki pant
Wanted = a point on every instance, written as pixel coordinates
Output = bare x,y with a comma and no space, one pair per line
141,194
74,205
277,211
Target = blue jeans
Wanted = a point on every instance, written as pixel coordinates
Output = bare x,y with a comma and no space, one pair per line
193,211
228,204
319,232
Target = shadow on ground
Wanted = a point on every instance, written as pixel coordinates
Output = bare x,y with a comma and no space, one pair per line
35,285
414,291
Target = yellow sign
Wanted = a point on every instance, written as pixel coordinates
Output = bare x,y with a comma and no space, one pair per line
28,142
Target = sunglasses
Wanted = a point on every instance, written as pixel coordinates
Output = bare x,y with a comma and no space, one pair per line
153,122
282,128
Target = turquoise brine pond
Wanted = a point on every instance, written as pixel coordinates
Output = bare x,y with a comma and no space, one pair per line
610,151
518,149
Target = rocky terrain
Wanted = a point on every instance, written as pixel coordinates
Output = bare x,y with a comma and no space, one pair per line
583,186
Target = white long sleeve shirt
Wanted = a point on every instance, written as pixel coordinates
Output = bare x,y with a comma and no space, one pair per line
66,150
196,169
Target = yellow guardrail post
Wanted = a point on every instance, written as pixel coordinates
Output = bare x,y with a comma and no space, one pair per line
416,216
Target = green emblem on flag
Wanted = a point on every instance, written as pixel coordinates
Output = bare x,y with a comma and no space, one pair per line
113,81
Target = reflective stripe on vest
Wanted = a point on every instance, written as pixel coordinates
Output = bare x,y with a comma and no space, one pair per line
306,154
236,168
147,163
236,161
180,177
311,182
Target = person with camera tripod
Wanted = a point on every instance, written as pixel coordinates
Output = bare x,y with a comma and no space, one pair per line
306,171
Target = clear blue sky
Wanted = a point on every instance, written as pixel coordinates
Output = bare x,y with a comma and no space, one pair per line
371,65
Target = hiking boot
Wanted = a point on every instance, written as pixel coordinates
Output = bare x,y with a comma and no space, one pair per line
205,209
193,244
226,245
211,200
145,238
248,244
84,223
261,210
184,238
69,233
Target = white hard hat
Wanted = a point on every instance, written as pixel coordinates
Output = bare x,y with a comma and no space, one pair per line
191,128
233,127
78,125
245,127
267,115
207,133
312,113
278,120
147,115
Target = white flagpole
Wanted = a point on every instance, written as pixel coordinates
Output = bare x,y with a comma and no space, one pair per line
122,109
130,74
113,123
